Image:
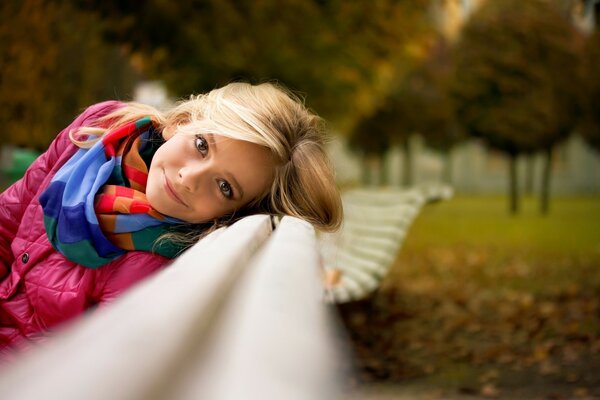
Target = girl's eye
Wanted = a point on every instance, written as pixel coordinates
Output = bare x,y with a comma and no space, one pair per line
226,189
201,144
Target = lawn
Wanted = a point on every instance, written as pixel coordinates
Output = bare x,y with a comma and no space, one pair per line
483,303
572,226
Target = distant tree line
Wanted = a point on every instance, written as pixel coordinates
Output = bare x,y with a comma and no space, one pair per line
53,63
58,57
520,77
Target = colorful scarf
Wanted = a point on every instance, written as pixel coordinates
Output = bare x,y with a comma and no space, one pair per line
95,208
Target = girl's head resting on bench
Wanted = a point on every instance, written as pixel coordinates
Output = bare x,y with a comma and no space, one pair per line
237,150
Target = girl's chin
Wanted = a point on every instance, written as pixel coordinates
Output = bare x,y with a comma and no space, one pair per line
154,199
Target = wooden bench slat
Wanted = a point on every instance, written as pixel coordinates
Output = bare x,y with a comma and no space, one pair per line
276,340
375,226
131,349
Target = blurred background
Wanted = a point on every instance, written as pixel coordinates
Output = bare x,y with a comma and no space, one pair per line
495,292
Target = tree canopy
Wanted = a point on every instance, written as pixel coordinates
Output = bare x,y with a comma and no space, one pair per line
424,100
340,54
56,58
517,79
591,90
371,136
516,74
53,63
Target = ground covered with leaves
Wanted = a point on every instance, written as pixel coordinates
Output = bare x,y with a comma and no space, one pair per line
492,320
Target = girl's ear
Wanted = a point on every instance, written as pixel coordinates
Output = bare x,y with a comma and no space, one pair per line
168,132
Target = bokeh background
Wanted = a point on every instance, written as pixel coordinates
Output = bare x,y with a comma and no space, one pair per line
495,292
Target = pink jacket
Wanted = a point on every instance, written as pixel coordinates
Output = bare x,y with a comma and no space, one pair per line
39,288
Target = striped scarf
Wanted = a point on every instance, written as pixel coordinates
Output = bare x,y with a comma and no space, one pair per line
95,208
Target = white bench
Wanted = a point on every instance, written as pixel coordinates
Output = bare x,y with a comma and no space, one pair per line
360,254
240,315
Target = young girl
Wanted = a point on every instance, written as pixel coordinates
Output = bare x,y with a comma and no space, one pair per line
125,188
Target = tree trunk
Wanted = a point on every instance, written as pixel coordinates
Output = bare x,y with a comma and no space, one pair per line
447,166
365,170
513,186
545,187
383,169
529,161
372,171
406,163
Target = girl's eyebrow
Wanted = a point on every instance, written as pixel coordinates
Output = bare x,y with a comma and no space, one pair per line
214,148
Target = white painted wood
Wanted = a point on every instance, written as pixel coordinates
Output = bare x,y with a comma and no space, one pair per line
130,349
375,225
240,315
360,262
276,340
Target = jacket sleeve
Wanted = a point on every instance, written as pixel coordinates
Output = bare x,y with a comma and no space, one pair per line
15,199
114,278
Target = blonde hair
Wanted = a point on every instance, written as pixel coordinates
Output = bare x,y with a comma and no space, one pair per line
270,116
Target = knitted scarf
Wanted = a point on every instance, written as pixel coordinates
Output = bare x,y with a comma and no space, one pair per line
95,208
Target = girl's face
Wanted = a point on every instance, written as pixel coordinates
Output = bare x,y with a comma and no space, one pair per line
203,177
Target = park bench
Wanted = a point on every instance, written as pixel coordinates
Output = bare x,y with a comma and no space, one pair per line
358,256
240,315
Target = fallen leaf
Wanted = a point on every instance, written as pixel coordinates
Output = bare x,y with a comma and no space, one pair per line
581,392
489,390
548,368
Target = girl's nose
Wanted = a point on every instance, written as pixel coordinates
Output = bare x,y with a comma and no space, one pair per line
190,178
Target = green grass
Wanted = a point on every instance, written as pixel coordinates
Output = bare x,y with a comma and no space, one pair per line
571,228
475,289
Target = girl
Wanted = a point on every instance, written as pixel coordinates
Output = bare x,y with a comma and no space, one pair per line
125,188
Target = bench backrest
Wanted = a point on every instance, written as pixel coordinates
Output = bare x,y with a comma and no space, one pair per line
375,225
239,315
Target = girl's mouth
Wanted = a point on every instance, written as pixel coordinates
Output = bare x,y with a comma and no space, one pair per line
171,191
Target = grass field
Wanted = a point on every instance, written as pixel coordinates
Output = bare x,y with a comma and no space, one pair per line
572,226
483,303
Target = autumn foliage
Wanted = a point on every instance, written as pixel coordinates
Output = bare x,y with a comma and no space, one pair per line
53,63
341,54
591,91
517,81
56,58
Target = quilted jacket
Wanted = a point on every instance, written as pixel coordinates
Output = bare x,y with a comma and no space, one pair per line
39,288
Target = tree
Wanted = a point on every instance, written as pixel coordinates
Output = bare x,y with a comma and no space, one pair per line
590,127
516,81
400,114
370,139
418,103
341,54
53,63
427,105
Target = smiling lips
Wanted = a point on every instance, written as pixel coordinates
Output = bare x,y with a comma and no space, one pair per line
171,192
